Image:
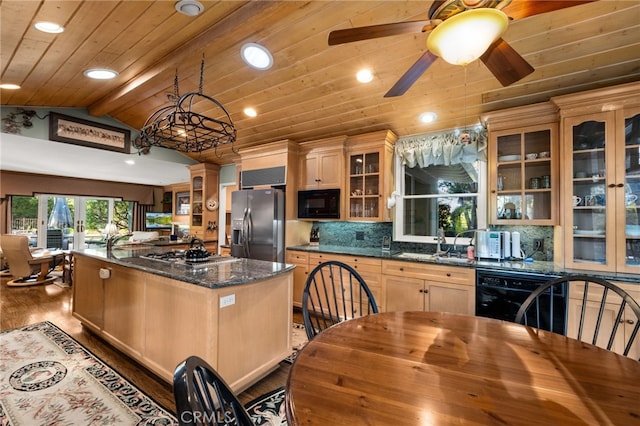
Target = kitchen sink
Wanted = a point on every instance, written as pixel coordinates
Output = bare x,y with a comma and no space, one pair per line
434,258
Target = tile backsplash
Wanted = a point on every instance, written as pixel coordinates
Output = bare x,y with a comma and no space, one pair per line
370,235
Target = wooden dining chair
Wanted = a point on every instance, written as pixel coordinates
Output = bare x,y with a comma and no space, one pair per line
204,398
607,316
334,292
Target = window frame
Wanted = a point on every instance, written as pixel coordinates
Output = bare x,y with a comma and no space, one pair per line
399,198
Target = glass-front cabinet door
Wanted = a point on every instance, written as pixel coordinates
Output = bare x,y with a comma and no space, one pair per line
364,183
603,186
589,143
524,179
628,196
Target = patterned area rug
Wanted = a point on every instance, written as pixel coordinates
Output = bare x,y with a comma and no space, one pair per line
298,340
269,409
48,378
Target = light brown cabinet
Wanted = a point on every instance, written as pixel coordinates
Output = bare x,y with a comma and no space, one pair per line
413,286
123,318
160,321
523,166
88,292
601,179
369,268
204,200
369,175
300,274
625,327
322,164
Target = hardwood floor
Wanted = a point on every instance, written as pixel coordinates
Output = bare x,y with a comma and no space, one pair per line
21,306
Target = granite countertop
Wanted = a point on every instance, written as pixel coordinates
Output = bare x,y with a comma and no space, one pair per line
223,272
535,267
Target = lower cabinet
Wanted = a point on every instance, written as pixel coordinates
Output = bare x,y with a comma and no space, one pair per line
300,274
369,268
123,318
413,286
160,321
625,327
88,292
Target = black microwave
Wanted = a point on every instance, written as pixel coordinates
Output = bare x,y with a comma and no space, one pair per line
319,204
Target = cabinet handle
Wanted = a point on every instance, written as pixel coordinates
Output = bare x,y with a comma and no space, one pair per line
612,185
421,291
426,291
493,191
448,274
620,185
401,269
630,321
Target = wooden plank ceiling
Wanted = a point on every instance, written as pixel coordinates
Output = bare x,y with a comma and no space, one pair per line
311,91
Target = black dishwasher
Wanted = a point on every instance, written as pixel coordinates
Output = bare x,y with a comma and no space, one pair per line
499,294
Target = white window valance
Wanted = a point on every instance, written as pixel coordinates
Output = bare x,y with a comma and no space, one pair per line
442,149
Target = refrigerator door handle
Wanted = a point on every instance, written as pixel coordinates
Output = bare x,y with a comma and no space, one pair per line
246,231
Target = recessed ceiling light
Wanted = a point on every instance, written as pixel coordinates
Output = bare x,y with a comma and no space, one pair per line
130,162
100,74
428,117
189,7
257,56
364,76
9,86
250,112
49,27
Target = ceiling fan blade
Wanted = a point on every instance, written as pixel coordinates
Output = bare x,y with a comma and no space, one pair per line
505,63
519,9
412,75
375,31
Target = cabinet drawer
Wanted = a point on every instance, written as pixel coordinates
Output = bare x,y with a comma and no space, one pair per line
430,272
595,292
297,257
370,264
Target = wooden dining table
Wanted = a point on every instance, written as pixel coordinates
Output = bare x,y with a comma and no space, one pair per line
431,368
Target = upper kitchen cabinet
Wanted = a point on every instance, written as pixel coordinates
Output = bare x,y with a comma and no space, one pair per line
272,165
369,175
523,165
322,164
204,200
601,178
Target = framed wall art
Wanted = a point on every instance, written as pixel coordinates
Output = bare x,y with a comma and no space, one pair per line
77,131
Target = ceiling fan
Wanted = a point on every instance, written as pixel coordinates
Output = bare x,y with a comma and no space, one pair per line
498,56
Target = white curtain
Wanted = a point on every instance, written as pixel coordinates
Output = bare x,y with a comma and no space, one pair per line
453,153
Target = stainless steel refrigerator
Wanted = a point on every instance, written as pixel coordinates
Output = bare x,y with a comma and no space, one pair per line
257,224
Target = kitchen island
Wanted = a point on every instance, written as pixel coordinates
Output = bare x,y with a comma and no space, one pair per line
234,313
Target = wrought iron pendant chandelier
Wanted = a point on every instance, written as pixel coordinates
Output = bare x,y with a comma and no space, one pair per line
180,128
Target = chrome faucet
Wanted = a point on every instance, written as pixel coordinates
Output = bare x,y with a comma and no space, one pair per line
113,239
462,233
441,239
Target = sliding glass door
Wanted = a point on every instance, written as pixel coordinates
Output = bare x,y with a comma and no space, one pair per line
67,222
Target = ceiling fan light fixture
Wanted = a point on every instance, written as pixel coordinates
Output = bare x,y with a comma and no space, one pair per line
189,7
464,37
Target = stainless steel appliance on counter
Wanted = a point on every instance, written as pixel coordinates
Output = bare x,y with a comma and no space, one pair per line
257,224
